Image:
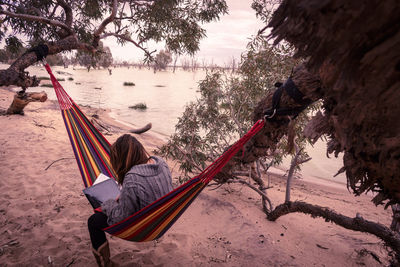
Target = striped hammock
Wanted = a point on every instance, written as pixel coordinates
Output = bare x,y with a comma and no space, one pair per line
92,155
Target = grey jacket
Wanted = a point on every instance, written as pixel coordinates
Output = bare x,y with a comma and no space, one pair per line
142,185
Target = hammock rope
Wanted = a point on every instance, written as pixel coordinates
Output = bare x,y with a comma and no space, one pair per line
92,152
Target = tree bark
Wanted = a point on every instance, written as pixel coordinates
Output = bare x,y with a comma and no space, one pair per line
391,238
22,99
16,75
359,68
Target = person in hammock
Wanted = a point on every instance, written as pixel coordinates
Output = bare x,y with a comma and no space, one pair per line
143,178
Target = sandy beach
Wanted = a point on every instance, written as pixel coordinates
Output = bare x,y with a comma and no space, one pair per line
43,212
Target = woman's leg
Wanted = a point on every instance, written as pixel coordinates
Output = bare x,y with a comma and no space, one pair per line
96,223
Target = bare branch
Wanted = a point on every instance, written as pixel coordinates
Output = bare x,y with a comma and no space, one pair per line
295,162
68,12
53,12
103,25
128,39
233,114
38,18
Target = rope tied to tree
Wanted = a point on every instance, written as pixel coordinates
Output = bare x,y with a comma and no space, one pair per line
291,89
41,51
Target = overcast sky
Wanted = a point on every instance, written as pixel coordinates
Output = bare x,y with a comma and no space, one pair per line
225,39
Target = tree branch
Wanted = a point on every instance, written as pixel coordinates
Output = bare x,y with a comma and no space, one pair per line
15,74
68,12
38,18
128,39
392,239
103,25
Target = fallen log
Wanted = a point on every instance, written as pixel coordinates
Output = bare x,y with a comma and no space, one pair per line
141,130
21,99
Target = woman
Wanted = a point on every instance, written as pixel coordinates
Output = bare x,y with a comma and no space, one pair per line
143,178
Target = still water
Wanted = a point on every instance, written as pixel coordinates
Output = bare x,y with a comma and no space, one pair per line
165,95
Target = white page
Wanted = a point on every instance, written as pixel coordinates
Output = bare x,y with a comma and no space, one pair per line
100,178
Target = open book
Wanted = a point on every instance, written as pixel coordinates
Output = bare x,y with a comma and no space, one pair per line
104,188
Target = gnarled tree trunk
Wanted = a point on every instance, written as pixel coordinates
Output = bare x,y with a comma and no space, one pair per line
21,99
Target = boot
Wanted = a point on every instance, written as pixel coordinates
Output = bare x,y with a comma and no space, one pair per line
102,255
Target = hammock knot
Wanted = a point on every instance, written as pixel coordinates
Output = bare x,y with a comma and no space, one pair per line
291,89
41,51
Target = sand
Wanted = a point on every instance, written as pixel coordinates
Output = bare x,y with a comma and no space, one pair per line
43,213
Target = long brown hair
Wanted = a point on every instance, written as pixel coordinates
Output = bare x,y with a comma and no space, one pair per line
126,152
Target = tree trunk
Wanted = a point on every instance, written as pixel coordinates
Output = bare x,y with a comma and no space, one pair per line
16,74
21,99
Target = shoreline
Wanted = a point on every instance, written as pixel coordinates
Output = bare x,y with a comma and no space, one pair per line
43,212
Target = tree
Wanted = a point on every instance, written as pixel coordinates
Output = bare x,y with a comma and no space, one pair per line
106,58
163,58
55,60
65,25
102,57
86,59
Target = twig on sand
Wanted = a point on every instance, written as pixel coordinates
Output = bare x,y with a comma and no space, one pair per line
12,242
55,162
69,264
318,245
44,126
365,251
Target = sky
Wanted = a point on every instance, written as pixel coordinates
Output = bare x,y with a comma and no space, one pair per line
225,38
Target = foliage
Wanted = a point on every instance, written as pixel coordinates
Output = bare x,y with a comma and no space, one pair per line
162,59
105,59
141,106
86,59
55,60
129,84
46,85
102,57
176,22
224,109
5,56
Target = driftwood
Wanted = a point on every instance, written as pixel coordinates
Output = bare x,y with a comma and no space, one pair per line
21,99
391,238
141,130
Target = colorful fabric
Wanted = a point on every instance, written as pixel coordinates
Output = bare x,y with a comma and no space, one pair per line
92,155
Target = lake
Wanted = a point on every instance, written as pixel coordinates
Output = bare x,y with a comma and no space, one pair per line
165,95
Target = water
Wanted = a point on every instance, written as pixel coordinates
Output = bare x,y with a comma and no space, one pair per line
165,94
